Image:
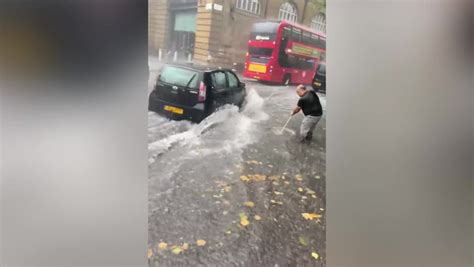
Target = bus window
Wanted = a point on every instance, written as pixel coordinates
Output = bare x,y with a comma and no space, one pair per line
260,51
260,54
314,40
296,34
321,43
264,31
286,33
306,38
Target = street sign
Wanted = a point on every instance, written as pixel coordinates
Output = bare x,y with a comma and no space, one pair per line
213,6
217,7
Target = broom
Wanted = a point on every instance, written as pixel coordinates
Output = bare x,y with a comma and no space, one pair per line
284,126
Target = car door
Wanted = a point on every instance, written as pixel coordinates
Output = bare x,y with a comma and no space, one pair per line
220,90
238,91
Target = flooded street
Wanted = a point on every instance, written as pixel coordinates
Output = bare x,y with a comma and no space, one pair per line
233,190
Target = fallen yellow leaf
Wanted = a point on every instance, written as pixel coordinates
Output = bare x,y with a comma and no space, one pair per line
244,178
258,177
257,217
299,177
302,241
200,242
162,245
150,253
249,204
244,222
185,246
314,255
273,178
311,216
228,232
176,250
220,183
309,191
300,189
276,202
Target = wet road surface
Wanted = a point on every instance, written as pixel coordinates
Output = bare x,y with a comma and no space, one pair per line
233,191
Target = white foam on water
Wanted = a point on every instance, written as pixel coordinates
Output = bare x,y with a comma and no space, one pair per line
225,131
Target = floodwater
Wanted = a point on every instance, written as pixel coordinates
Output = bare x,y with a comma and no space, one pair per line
239,185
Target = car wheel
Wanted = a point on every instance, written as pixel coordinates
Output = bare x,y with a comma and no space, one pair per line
287,80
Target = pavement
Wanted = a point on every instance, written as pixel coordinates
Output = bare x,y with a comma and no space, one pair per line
233,191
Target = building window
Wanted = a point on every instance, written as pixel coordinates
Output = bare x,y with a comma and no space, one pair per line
319,22
288,12
252,6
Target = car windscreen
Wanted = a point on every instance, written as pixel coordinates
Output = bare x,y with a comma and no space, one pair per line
322,69
264,31
179,76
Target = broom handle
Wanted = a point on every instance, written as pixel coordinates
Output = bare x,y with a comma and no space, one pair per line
284,126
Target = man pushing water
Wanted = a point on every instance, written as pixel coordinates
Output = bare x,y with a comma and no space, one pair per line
312,110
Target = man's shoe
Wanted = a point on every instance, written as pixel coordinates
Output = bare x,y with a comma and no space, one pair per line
309,136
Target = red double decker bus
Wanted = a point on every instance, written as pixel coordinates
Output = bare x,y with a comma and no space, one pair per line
283,52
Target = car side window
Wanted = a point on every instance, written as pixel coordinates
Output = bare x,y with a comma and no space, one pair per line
219,80
233,80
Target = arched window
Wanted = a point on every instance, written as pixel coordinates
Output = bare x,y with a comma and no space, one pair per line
252,6
319,22
288,12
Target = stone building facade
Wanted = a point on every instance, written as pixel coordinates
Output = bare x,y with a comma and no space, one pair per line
216,32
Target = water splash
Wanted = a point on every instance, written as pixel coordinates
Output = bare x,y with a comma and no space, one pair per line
227,130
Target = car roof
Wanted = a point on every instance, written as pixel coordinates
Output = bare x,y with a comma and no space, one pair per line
196,67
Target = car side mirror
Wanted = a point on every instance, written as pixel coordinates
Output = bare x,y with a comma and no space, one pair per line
242,84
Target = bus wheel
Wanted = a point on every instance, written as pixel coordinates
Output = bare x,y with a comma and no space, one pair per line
287,79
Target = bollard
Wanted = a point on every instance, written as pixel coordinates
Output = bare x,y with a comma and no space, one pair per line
159,54
175,56
189,57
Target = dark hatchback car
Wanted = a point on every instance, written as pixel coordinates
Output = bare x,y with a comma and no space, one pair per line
319,80
193,92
